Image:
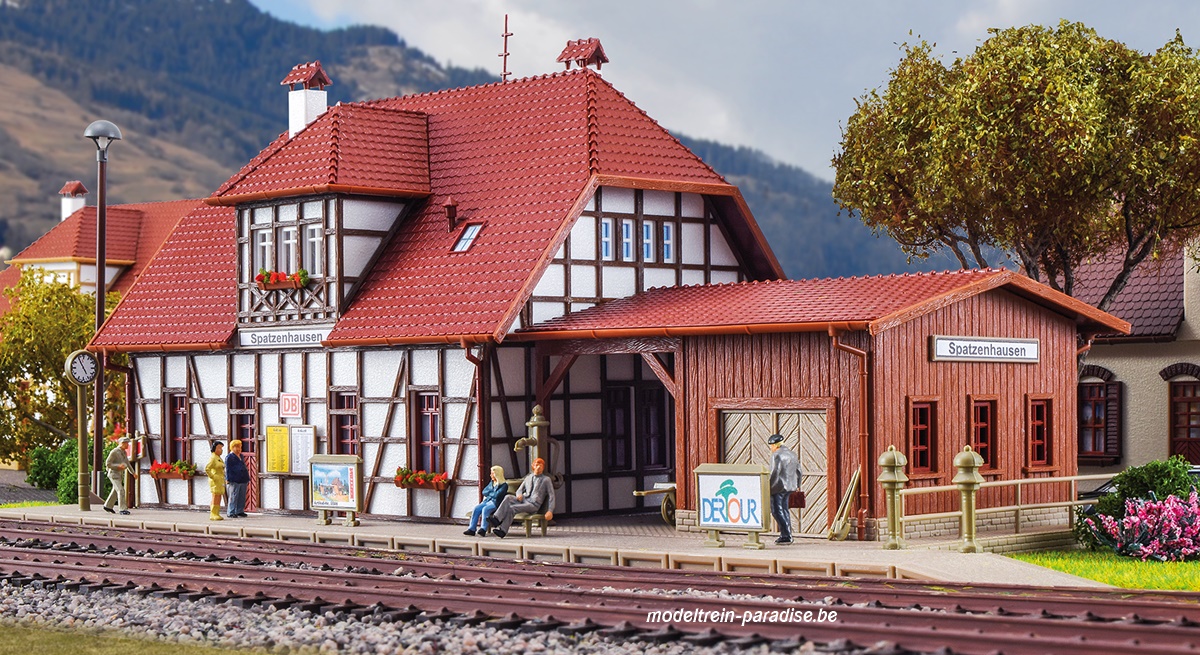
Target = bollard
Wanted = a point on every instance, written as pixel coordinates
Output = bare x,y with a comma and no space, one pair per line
968,480
892,478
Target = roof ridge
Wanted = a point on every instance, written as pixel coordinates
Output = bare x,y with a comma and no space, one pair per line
335,138
528,79
593,152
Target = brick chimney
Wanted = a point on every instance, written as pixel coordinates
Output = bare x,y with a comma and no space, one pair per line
72,193
307,103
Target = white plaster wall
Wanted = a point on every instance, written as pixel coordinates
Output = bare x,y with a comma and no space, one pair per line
691,243
720,253
358,250
620,493
1146,402
176,372
369,450
459,373
218,418
270,494
243,370
315,383
153,420
553,282
373,417
345,371
293,491
148,373
583,281
693,205
268,413
425,502
586,496
293,372
585,374
512,360
692,277
580,306
618,200
658,203
556,417
394,457
620,367
619,282
268,376
463,502
583,238
724,277
544,311
501,457
658,277
358,214
146,491
383,365
388,499
470,463
455,414
587,456
210,371
586,416
424,367
399,421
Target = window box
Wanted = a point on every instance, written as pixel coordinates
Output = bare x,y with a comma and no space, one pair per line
438,485
170,475
272,286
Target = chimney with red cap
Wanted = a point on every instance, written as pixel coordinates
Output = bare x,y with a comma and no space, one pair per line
72,193
307,103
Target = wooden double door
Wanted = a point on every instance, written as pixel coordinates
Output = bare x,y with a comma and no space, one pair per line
744,441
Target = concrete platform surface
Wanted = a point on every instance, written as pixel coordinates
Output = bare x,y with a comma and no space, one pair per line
639,540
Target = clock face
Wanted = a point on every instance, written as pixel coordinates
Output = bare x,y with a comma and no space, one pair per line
82,366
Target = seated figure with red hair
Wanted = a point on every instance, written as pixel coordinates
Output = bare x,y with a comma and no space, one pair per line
535,495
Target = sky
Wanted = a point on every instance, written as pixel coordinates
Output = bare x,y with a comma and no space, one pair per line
780,76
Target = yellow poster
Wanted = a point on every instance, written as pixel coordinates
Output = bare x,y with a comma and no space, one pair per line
278,458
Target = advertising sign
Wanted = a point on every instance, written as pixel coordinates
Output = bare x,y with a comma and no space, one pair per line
302,440
335,482
731,502
289,406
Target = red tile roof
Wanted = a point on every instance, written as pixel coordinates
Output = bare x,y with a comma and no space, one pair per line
309,74
1152,300
187,297
874,303
522,157
350,148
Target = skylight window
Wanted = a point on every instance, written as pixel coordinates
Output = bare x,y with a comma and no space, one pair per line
467,237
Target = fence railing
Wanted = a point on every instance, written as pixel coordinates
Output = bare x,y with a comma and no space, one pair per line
967,484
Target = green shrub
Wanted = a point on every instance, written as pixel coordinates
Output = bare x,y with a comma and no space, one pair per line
1163,478
68,472
44,466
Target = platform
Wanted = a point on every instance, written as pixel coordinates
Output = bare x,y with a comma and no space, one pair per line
637,540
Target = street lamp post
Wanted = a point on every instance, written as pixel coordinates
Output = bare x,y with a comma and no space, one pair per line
102,133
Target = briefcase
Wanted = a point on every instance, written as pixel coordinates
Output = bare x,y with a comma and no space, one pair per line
796,500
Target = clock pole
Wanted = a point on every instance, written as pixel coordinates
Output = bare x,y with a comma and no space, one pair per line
85,492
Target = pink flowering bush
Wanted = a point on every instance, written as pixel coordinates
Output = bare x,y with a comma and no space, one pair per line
1166,530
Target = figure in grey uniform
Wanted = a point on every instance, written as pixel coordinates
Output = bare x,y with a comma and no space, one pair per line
117,464
785,478
535,490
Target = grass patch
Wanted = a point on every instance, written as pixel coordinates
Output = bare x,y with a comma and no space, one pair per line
45,641
29,503
1113,569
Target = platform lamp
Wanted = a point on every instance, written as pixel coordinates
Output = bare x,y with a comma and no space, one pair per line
102,133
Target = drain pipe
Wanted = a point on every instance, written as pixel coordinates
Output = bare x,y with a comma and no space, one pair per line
863,497
480,406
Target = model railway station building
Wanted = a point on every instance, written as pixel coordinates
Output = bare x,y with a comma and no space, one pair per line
474,253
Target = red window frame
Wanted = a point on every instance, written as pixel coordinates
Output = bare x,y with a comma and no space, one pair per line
922,436
983,430
1040,431
345,422
427,432
1093,418
243,415
177,429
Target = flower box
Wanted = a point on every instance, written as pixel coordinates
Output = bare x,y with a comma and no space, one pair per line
285,284
438,485
170,475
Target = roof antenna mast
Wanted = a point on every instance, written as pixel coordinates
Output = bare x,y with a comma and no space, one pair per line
504,55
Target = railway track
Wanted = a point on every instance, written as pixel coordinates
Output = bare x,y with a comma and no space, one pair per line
903,616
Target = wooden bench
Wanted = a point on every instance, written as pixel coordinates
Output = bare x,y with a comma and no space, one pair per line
529,520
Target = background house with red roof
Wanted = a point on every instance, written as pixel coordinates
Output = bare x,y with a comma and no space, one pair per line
472,253
68,251
1139,394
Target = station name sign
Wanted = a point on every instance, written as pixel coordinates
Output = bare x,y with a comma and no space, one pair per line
983,349
283,337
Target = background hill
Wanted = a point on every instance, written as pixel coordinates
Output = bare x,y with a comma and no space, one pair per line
193,86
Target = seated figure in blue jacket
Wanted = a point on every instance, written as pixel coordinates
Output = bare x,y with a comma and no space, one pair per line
492,495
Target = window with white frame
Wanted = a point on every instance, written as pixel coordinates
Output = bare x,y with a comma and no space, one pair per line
627,239
288,237
607,226
467,237
314,239
668,243
647,241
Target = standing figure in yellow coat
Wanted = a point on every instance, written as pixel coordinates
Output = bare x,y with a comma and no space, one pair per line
216,479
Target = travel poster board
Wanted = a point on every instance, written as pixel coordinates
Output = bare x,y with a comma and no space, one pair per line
335,482
278,456
733,497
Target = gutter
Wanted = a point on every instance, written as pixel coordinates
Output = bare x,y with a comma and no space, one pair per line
312,190
863,497
464,340
687,331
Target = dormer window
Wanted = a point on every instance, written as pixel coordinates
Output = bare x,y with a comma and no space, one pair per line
467,237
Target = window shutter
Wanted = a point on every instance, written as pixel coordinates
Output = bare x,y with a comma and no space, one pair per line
1113,435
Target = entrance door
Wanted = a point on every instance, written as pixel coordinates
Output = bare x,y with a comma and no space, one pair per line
744,437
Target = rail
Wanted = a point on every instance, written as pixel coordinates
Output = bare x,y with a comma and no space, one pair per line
1016,508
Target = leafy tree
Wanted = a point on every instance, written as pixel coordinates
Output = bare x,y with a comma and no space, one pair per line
1051,146
47,321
